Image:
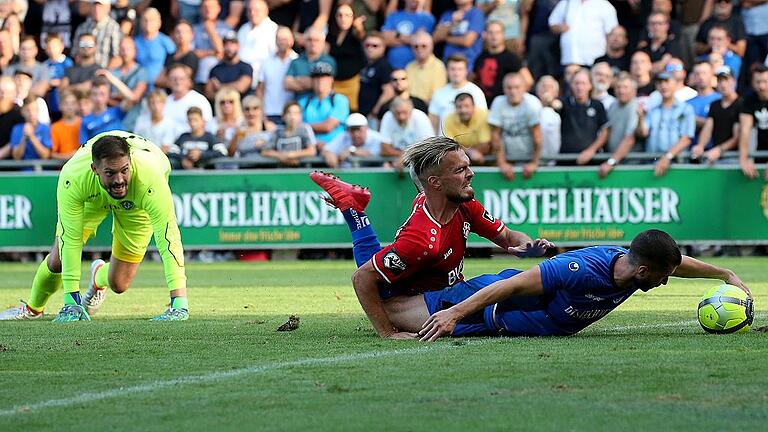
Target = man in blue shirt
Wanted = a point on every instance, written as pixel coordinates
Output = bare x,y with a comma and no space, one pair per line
670,126
103,118
460,29
702,79
152,46
323,109
398,29
559,297
31,139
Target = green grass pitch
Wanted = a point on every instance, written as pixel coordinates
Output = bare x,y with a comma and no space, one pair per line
646,366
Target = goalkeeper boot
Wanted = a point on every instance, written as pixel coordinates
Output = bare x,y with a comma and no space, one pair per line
94,296
20,312
173,314
343,195
72,312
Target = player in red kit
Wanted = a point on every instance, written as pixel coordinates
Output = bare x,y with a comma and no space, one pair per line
428,251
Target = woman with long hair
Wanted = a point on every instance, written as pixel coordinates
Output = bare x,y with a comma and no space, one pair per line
228,112
346,48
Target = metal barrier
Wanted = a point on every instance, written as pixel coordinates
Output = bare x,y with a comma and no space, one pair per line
257,161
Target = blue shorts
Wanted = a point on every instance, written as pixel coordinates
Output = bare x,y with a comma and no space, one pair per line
516,316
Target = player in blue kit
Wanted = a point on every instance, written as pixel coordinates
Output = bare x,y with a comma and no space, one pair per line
559,297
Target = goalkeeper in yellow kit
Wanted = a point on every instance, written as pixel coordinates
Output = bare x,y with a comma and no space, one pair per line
122,174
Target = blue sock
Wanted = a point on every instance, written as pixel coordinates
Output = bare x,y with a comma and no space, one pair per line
365,244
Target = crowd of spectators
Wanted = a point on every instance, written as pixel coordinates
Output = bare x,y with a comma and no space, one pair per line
517,82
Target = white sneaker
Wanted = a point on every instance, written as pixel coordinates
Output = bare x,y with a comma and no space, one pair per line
20,312
94,297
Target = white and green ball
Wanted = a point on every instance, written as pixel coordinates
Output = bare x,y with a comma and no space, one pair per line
726,309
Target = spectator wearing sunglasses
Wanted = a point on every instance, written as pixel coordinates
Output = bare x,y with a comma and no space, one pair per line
426,73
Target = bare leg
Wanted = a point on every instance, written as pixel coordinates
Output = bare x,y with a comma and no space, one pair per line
121,274
407,313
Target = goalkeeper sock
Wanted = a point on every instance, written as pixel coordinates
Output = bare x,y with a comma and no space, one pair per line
44,285
102,276
179,303
365,244
72,298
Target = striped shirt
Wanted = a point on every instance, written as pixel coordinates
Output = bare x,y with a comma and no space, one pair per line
108,36
667,125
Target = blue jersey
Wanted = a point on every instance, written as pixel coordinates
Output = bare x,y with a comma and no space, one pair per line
94,124
578,290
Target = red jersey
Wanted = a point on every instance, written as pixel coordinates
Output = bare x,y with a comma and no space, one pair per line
428,256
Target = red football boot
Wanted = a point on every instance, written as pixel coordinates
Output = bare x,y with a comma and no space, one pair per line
343,195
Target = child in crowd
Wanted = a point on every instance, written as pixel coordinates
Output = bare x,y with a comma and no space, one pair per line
65,133
198,145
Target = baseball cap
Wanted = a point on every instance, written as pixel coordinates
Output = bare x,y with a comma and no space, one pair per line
104,2
723,72
230,36
321,69
356,120
663,76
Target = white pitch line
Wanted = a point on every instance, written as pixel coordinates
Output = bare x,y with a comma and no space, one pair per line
84,398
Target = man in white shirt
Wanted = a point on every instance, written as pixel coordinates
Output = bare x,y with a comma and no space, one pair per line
515,118
182,98
270,86
582,26
257,37
442,102
402,126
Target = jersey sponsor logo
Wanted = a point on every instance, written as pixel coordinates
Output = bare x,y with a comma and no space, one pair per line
455,274
591,112
488,216
127,205
591,315
466,229
393,262
573,266
593,297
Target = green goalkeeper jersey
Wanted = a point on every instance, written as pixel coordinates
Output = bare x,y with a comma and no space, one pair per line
79,192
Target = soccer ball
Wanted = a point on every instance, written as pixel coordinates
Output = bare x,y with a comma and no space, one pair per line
726,309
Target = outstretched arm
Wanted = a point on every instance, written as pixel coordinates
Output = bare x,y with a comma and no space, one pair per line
521,245
527,283
693,268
